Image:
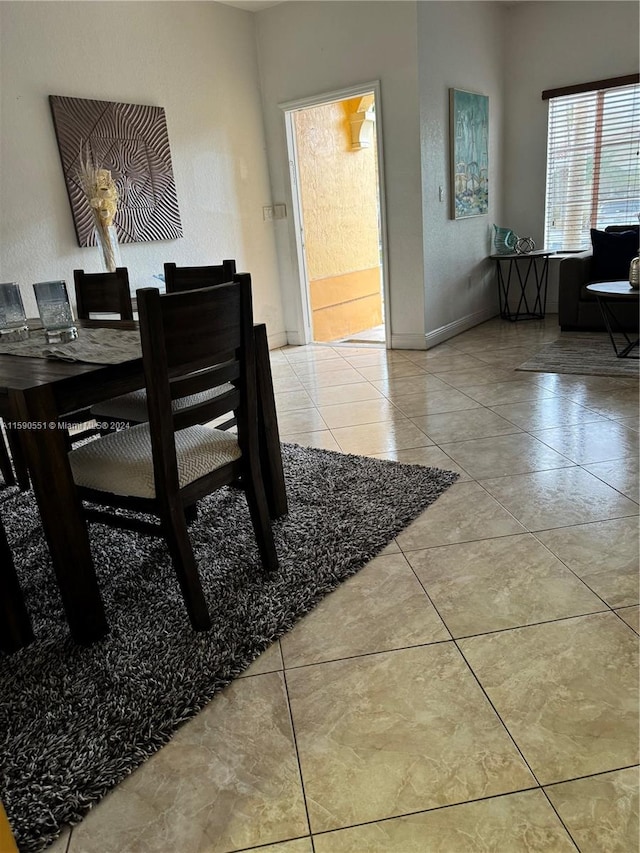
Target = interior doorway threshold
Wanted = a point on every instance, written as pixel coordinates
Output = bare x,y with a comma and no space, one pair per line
374,335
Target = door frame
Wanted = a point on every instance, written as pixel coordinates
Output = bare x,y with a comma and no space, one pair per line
289,108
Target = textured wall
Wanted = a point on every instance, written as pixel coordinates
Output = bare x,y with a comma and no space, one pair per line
549,45
198,61
311,48
339,199
460,46
338,187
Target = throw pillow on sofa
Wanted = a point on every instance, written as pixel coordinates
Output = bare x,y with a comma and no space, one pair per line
612,253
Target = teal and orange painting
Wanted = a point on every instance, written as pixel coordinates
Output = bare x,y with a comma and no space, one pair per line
469,116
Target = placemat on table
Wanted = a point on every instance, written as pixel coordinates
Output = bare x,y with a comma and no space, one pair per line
95,346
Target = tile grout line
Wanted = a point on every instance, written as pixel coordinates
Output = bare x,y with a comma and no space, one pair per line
607,607
295,743
567,566
470,668
513,740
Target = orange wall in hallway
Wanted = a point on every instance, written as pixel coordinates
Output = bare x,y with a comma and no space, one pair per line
338,189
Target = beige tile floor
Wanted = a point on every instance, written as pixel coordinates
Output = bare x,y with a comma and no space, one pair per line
474,689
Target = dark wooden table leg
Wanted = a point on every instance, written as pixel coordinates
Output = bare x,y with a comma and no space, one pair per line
15,625
270,453
61,512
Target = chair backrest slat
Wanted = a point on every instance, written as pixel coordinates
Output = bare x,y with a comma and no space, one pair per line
103,293
194,383
178,279
214,336
184,333
206,411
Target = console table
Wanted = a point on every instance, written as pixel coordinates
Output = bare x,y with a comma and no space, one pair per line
522,268
608,295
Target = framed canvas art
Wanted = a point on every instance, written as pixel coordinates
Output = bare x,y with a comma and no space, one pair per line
469,154
131,141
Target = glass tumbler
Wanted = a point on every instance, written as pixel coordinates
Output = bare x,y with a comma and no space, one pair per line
55,311
13,320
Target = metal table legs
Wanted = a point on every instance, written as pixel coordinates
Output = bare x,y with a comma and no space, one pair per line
613,327
539,277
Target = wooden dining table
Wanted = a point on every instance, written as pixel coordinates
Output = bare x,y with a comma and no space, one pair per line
35,395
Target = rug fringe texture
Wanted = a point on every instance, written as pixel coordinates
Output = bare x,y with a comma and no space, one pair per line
586,353
75,721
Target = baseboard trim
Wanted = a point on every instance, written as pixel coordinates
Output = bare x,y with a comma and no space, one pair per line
408,342
292,339
442,334
415,342
278,340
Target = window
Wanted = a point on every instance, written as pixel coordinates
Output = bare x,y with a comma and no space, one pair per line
593,175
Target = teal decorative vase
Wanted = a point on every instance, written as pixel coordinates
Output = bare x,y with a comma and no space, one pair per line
504,240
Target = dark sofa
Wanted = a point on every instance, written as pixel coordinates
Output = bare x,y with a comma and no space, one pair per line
578,309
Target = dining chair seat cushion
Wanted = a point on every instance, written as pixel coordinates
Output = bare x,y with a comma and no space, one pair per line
121,462
133,406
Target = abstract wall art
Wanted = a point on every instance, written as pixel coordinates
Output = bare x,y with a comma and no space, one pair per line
469,154
130,140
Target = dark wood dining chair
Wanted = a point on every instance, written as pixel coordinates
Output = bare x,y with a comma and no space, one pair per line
103,293
192,342
177,279
15,625
132,408
98,294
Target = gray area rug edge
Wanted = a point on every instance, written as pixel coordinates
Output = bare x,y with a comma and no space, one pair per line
585,353
393,494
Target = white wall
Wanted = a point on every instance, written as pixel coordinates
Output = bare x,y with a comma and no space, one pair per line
211,93
460,45
198,61
309,48
549,45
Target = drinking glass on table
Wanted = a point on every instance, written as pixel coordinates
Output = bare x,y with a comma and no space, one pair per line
13,320
55,311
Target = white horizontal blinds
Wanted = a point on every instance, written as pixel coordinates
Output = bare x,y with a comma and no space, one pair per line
619,175
593,175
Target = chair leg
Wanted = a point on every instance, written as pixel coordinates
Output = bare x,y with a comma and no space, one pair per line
19,460
184,563
5,464
191,513
259,510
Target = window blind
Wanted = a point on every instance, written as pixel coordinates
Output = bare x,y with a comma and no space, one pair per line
593,174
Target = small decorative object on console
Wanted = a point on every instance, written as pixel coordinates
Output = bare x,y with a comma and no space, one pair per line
504,240
55,311
634,273
13,321
524,245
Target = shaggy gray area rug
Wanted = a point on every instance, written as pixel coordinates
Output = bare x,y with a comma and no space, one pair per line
587,353
74,721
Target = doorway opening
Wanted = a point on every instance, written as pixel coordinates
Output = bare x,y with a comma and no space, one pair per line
335,158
